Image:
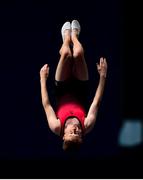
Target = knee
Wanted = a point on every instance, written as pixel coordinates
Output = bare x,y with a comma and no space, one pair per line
78,52
65,52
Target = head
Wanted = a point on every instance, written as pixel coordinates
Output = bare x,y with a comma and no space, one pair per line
72,137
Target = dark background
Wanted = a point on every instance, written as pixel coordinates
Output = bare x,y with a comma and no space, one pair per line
30,36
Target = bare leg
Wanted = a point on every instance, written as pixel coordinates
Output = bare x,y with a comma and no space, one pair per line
80,70
64,67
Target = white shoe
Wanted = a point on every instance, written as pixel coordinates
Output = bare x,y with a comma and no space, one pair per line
75,25
66,26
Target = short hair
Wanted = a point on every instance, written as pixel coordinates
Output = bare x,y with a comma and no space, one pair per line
73,145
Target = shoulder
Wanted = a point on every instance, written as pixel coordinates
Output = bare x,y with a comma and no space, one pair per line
88,125
57,127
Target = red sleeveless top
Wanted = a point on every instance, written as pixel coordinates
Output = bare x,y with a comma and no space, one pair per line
67,107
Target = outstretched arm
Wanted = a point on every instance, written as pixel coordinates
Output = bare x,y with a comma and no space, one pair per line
53,122
92,113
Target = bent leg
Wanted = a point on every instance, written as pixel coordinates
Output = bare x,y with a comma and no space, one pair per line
64,67
80,70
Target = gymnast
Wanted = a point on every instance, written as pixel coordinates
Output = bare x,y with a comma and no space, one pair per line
70,119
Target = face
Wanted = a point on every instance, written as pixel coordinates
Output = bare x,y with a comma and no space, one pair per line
72,131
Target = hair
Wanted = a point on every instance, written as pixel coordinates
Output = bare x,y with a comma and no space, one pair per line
73,145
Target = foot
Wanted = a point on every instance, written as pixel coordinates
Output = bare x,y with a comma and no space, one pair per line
66,30
75,28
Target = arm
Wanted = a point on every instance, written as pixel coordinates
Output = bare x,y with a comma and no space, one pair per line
53,122
93,110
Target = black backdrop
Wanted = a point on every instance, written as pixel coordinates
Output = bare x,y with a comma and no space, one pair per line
30,37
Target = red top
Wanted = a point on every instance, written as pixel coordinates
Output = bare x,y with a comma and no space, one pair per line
69,107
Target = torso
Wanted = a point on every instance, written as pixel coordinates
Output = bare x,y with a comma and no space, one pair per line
70,107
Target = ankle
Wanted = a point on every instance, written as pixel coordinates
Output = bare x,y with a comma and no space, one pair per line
67,41
67,34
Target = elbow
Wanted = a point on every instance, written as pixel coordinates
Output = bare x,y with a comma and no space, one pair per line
98,101
97,104
45,104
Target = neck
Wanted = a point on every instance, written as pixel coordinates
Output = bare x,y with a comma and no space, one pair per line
72,121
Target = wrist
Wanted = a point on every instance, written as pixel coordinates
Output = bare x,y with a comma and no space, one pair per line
103,76
43,79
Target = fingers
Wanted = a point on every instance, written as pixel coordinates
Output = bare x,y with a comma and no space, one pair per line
102,60
102,63
98,66
45,67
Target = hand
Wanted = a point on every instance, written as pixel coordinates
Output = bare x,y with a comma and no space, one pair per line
44,72
102,67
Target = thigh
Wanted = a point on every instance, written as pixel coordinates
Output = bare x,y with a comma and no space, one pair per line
64,69
80,70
